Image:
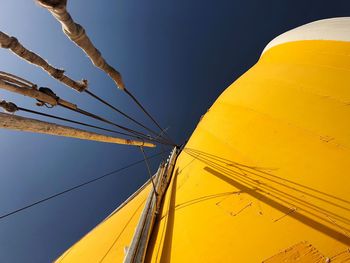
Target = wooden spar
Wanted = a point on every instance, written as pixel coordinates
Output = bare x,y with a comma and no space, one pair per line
77,34
16,80
35,93
13,122
13,44
46,96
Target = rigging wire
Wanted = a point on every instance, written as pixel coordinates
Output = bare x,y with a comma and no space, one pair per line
77,34
72,121
24,83
146,112
77,186
119,111
149,170
139,135
28,85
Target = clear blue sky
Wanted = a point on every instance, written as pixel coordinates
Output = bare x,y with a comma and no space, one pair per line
175,56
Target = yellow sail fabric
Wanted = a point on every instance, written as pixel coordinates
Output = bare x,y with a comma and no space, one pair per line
109,241
265,177
266,174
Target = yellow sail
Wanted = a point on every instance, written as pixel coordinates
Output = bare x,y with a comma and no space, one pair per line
265,177
109,240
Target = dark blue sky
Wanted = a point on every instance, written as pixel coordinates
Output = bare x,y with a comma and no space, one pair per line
175,56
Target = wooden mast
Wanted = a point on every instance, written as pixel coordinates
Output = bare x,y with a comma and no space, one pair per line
13,122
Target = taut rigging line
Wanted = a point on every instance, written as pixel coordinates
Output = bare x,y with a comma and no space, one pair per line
17,48
76,187
72,121
13,122
76,33
46,96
